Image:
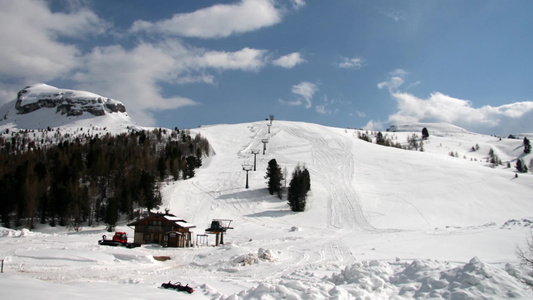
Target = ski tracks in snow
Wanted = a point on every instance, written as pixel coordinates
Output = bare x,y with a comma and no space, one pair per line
223,196
332,156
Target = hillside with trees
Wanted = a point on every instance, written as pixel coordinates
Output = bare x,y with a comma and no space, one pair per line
68,180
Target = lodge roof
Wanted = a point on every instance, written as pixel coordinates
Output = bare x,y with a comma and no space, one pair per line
169,218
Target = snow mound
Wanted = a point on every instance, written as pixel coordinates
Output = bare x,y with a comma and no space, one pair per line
246,259
6,232
266,254
429,279
254,258
418,279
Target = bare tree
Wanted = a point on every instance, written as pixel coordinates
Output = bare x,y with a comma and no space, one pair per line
526,258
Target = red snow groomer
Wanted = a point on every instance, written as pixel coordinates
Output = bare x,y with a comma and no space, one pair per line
119,239
177,286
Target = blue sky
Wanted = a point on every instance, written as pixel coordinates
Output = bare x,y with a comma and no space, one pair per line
341,63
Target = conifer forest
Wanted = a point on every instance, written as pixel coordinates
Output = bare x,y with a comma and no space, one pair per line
69,180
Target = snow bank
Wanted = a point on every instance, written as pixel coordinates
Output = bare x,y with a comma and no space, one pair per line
401,280
6,232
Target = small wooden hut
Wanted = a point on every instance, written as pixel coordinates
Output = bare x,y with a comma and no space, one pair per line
165,229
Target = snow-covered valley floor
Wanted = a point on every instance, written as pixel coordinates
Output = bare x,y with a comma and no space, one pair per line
380,223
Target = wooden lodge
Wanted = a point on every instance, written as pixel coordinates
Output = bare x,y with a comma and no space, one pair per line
164,229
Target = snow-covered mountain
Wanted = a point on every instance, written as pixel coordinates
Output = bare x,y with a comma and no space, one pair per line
380,223
40,106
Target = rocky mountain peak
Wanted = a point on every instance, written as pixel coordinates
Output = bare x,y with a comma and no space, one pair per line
67,102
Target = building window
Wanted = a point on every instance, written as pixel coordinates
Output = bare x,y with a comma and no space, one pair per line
146,237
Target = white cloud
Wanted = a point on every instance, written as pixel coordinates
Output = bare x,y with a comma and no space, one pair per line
399,72
8,92
351,63
394,81
505,119
132,76
32,52
245,59
289,61
191,78
321,109
29,37
373,125
326,106
298,4
438,107
217,21
306,90
413,85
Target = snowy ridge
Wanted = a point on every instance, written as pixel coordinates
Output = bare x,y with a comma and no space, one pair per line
34,93
435,128
380,223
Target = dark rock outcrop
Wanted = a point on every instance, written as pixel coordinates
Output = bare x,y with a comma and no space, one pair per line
66,102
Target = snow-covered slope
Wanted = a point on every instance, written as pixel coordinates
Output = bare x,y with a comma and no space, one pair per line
436,128
362,186
40,106
380,223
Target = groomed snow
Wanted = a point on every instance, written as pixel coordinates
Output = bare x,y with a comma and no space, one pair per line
380,223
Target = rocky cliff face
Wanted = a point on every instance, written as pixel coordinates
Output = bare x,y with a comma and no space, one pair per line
66,102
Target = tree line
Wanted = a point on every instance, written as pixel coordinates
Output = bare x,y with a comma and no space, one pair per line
414,142
93,178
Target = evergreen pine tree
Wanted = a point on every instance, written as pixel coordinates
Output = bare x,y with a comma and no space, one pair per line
149,191
274,177
306,180
521,166
380,140
198,157
162,167
425,133
191,164
493,158
111,214
298,187
527,146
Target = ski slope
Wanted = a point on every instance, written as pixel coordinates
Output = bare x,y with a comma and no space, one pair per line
379,223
